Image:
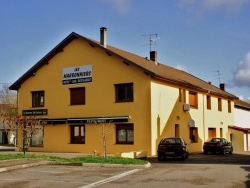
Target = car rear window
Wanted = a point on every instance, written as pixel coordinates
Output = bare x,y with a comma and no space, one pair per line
171,141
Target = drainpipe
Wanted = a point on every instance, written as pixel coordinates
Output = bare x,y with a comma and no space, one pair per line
208,91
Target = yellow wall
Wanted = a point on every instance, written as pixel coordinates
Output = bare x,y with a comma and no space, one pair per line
100,99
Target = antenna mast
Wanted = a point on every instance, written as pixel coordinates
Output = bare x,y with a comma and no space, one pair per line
218,76
152,38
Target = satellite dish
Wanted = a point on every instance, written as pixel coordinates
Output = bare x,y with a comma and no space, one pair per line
191,123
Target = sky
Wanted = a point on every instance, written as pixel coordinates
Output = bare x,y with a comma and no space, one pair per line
209,39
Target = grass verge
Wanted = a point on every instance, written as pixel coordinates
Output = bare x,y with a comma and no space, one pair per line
85,159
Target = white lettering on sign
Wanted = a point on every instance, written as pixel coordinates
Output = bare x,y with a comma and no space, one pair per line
76,75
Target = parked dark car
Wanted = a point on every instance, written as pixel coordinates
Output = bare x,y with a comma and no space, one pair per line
172,147
218,145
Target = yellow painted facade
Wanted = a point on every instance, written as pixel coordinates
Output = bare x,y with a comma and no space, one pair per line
156,110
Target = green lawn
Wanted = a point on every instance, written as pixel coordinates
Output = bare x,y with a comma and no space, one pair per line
85,159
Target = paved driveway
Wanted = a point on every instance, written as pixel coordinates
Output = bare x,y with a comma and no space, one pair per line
230,171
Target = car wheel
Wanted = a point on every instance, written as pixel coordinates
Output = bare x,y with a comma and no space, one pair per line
205,152
160,157
231,152
223,152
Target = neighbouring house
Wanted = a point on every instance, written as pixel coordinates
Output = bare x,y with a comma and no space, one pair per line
88,93
7,134
240,130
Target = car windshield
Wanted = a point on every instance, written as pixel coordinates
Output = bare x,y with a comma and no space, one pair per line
171,141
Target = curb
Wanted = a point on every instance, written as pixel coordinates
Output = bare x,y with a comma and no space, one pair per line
16,167
116,165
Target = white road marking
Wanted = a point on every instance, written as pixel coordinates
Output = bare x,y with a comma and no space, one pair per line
110,179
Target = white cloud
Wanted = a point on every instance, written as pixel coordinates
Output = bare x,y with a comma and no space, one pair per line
181,67
121,6
242,72
201,6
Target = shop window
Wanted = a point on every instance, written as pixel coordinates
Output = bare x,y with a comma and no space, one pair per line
124,134
38,99
77,134
37,137
77,96
229,106
193,99
219,104
193,134
124,92
208,102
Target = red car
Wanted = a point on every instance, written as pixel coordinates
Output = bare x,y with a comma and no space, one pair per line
172,147
218,145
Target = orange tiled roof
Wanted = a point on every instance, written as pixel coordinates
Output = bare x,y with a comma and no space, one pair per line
241,103
155,70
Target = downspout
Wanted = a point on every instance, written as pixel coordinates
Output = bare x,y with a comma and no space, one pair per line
208,91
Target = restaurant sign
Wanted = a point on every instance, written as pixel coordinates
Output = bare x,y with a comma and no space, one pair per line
76,75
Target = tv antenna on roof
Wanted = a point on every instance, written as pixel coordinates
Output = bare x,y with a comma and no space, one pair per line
219,76
152,38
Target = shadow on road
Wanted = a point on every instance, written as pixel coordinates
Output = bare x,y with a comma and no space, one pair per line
237,159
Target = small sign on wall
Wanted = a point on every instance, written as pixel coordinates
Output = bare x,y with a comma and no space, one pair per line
41,112
77,75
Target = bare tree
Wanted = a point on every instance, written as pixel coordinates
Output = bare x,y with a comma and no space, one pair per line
104,129
24,126
7,96
8,105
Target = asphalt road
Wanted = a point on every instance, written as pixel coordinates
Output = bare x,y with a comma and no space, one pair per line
230,171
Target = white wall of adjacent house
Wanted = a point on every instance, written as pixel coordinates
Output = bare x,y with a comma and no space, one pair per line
241,118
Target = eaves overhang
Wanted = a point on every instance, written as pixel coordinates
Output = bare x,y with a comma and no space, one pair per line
45,60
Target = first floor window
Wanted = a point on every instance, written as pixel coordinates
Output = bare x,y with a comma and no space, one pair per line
193,99
77,96
193,134
124,133
124,92
37,98
77,135
219,104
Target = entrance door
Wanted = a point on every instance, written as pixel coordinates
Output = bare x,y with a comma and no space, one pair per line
5,138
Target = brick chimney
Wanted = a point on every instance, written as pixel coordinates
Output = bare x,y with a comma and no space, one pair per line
153,56
103,36
222,86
